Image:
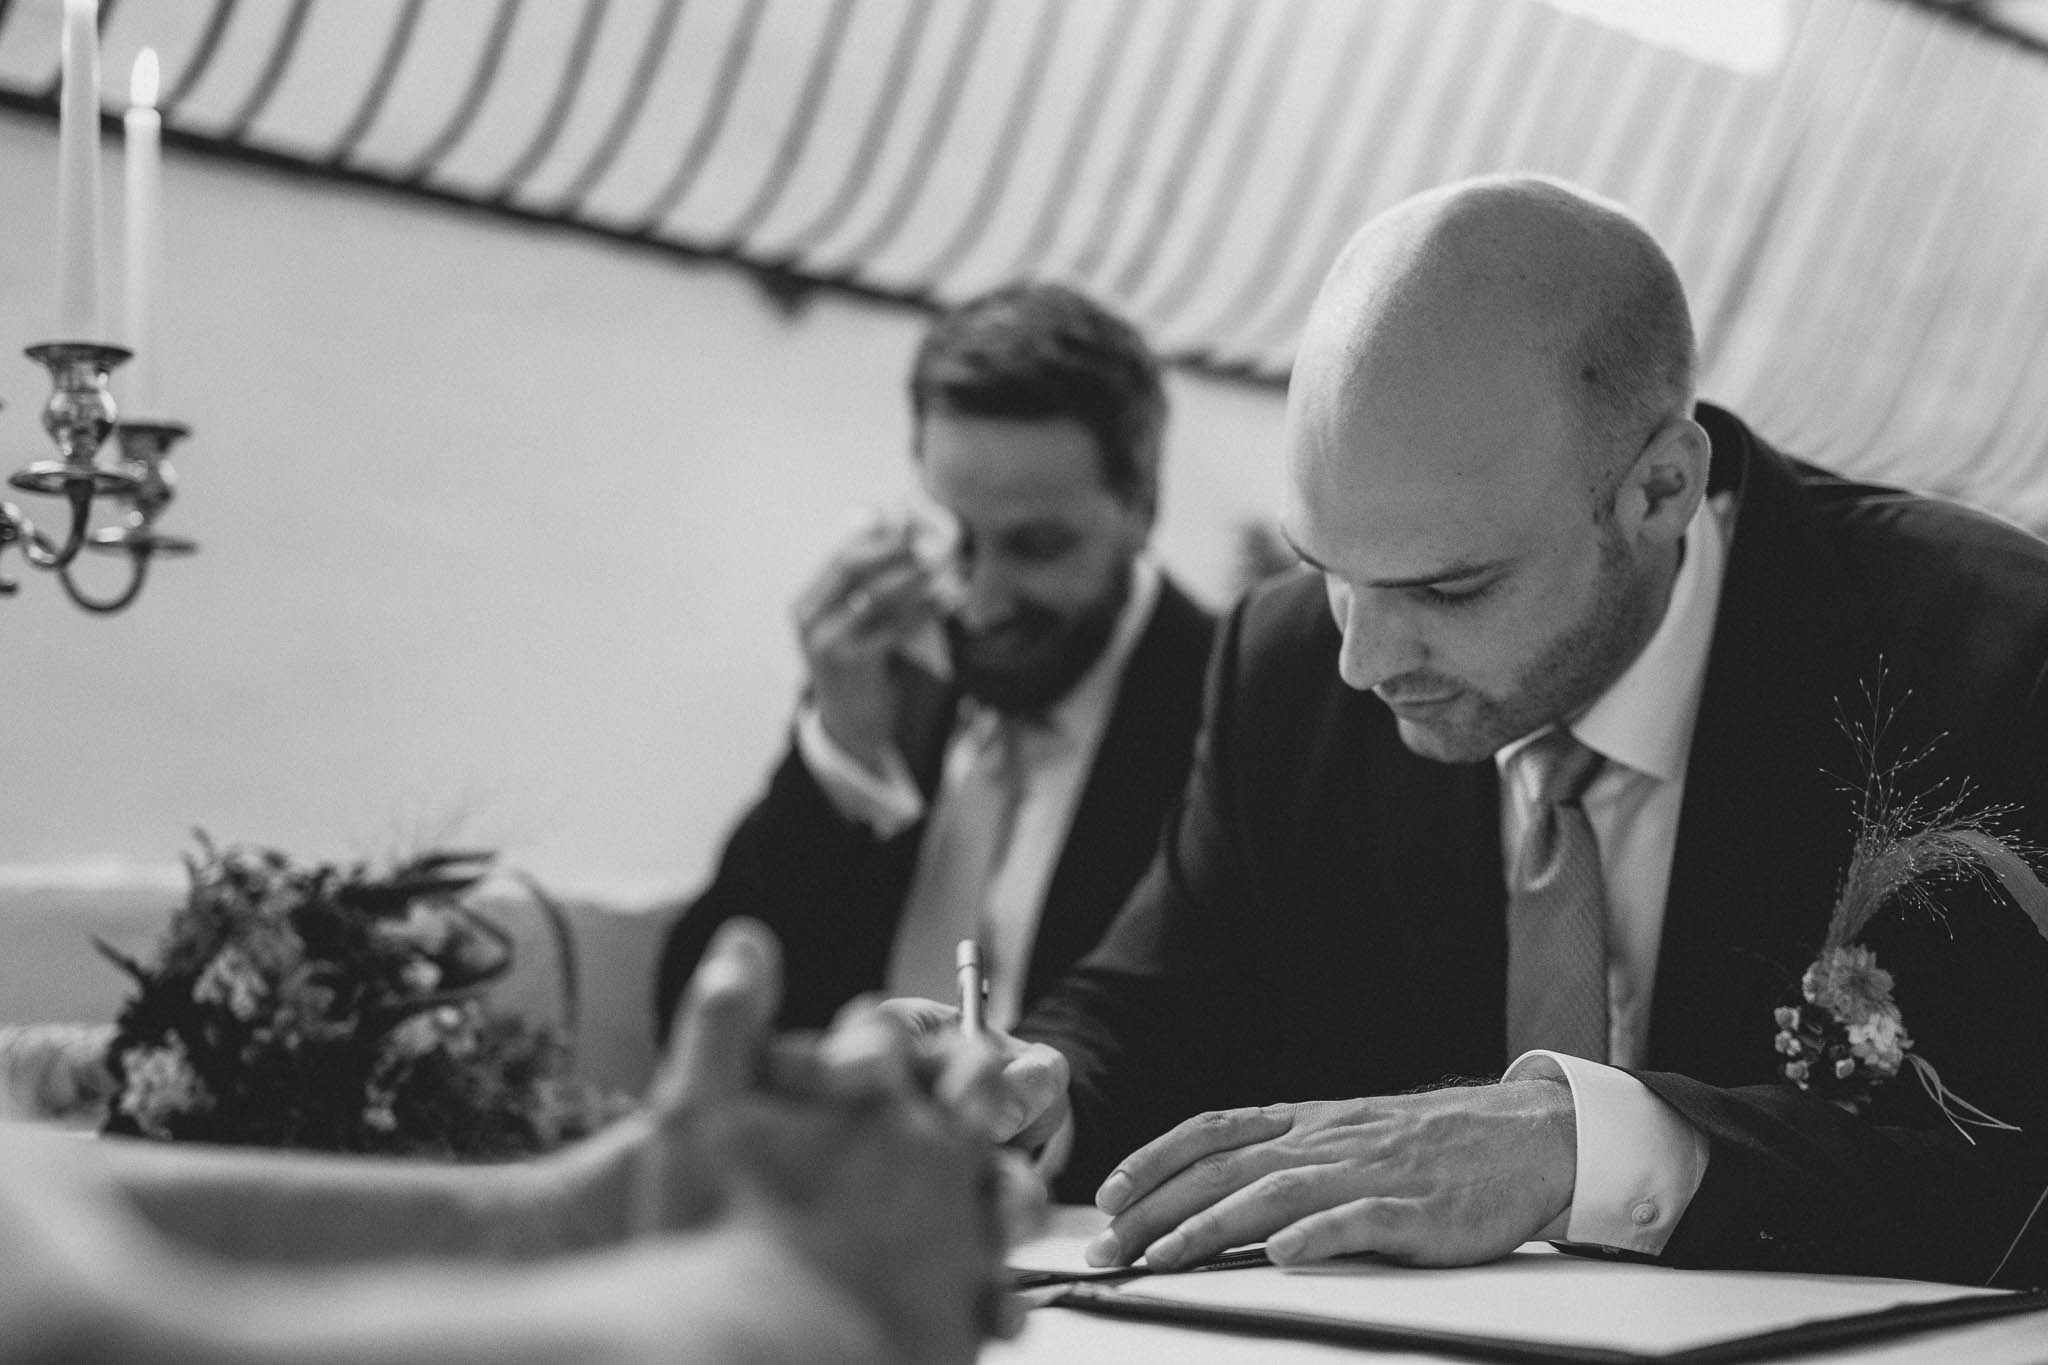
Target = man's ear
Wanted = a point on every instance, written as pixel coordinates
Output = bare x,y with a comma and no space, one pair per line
1665,485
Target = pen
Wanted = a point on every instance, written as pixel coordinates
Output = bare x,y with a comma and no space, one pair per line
973,988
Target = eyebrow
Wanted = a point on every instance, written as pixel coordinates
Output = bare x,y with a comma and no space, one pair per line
1450,573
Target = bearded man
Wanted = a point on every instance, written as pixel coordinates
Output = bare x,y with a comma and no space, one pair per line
1000,701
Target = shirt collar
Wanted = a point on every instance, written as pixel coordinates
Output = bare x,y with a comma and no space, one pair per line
1644,719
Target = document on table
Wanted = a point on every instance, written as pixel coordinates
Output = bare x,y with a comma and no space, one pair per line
1058,1254
1539,1304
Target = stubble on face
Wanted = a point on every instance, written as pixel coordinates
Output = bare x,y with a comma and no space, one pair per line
1033,658
1564,677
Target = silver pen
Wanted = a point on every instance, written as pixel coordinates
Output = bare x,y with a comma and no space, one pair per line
973,987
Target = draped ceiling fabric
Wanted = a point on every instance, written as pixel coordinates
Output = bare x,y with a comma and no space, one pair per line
1856,209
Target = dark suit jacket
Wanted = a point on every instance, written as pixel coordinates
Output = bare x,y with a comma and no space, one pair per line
1326,918
833,893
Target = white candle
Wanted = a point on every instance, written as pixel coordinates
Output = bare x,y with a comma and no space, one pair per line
143,168
78,176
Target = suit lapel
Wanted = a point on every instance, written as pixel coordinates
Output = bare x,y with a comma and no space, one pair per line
1130,786
1765,826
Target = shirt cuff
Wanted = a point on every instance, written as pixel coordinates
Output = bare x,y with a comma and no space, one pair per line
1639,1161
887,802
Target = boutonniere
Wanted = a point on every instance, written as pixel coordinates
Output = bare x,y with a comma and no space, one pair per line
1840,1031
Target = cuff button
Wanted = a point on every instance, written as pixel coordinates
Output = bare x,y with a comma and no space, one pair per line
1643,1214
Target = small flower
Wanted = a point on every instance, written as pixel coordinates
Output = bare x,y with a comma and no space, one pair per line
1848,983
420,976
231,979
1880,1041
1796,1071
418,1035
161,1085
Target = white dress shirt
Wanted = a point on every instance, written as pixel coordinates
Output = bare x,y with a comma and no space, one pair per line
1056,758
1639,1162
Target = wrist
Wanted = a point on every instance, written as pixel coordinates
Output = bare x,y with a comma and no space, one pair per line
857,740
1554,1119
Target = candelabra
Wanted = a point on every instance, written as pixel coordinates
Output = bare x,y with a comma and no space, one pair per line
79,416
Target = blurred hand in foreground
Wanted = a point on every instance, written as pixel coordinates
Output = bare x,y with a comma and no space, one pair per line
866,1149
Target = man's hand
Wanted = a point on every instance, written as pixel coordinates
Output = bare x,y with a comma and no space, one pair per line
852,622
1447,1177
887,1199
1028,1105
847,1148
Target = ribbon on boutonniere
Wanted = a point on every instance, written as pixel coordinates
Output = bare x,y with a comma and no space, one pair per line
1840,1029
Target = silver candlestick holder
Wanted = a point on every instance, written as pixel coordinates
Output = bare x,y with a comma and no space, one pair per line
79,415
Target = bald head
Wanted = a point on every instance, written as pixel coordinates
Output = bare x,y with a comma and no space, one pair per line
1491,457
1503,271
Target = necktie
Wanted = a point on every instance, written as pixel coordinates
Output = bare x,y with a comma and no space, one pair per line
961,853
1557,909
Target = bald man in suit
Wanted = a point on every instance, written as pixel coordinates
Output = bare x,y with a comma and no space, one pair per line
1528,541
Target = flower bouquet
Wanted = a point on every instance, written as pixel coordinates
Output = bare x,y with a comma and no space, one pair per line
339,1008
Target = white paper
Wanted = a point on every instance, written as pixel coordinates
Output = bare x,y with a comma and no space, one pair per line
1068,1230
1540,1295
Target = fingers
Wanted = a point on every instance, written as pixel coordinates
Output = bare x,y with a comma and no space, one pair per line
1034,1083
873,590
1166,1156
722,1023
868,1053
1020,1198
911,1048
1192,1167
1014,1205
1384,1225
880,608
1253,1213
874,542
924,1018
969,1085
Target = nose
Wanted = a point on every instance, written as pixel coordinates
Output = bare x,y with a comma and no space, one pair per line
986,591
1380,641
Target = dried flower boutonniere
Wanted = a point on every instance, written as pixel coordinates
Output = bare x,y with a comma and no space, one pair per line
1842,1034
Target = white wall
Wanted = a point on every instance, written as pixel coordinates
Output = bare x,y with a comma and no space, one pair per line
499,526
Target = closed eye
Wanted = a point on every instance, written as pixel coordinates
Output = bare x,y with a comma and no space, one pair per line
1452,598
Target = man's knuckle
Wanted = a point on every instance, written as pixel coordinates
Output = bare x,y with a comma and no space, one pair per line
1290,1183
1217,1170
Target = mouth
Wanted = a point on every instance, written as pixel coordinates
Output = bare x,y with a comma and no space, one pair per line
1004,643
1411,707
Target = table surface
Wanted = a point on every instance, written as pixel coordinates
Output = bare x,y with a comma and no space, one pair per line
1057,1336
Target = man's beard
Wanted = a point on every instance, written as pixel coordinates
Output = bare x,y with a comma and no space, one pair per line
1572,670
1035,655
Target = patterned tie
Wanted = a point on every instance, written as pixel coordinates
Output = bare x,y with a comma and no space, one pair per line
961,853
1557,909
